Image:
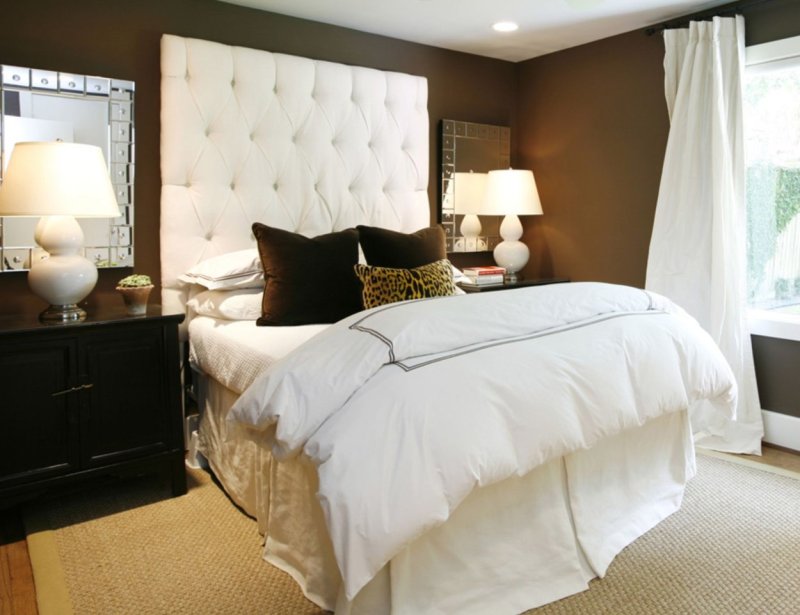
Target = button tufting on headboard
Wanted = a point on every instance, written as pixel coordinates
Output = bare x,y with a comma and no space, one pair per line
313,146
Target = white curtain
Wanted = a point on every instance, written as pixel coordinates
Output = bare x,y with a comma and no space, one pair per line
697,251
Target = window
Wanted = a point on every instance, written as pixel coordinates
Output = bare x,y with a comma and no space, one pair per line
772,159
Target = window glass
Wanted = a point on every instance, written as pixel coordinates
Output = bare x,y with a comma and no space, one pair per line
772,158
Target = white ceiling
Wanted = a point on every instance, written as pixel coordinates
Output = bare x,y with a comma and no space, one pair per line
465,25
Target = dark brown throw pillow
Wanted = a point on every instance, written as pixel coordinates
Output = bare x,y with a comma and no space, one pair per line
308,280
385,248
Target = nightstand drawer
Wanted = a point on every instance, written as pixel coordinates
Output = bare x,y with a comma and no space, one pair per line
39,434
125,415
101,396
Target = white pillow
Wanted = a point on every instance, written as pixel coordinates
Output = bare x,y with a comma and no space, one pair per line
458,276
240,269
239,304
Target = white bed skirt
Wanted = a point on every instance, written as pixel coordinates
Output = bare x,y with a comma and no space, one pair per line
509,547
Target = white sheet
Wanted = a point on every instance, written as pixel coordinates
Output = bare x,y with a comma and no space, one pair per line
398,449
235,352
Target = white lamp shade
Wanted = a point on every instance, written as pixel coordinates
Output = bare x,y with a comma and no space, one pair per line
511,192
46,178
469,189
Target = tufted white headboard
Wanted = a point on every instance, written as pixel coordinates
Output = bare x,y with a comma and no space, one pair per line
303,145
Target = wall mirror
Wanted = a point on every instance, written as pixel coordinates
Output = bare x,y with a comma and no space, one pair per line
43,105
477,148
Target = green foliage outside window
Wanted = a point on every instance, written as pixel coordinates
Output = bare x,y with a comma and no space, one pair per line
772,150
765,185
787,197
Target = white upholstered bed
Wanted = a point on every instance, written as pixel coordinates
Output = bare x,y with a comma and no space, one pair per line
313,147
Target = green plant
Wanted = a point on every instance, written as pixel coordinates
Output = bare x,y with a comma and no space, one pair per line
781,288
136,280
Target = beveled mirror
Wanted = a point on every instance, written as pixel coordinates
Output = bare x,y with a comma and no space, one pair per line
468,147
44,105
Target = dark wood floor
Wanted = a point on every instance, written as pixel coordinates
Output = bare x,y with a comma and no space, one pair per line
18,594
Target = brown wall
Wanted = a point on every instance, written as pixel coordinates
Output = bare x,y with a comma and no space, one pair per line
116,38
593,126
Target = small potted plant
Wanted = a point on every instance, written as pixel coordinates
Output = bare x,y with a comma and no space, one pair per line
135,290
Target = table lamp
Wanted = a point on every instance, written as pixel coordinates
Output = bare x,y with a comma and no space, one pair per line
59,181
511,193
469,189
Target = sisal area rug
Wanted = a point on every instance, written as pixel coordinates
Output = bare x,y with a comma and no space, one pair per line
733,548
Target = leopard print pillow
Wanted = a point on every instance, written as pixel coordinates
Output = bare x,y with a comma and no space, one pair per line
384,285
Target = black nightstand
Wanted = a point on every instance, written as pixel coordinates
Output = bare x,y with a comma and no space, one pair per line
469,288
85,399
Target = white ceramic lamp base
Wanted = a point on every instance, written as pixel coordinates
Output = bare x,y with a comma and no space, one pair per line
470,230
65,277
470,226
511,253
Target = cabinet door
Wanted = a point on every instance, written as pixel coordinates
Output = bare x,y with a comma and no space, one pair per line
38,410
125,411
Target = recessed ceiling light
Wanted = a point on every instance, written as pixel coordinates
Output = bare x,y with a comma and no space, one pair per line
505,26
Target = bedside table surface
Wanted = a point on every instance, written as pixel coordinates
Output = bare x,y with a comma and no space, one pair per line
30,321
470,288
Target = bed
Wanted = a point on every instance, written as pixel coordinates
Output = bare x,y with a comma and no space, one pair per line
316,148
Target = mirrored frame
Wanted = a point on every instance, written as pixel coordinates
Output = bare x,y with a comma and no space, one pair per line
45,105
469,146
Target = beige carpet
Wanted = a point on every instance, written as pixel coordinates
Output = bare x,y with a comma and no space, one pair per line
734,548
130,551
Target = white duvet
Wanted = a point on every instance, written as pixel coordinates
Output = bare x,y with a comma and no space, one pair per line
406,408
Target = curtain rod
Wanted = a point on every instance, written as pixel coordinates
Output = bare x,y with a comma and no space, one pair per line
721,11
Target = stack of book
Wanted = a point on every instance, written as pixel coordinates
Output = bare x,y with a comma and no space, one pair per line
480,276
